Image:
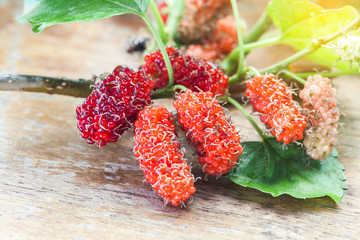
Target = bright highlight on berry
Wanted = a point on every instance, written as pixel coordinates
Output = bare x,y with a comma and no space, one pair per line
270,96
113,105
215,138
159,155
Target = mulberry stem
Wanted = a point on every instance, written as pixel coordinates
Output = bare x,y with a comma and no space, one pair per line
252,69
181,87
168,92
293,76
240,41
162,49
315,44
175,17
262,24
247,115
45,84
158,20
326,74
231,60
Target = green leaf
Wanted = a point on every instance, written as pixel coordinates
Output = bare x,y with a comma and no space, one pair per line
44,13
328,58
301,21
286,13
320,25
301,34
272,168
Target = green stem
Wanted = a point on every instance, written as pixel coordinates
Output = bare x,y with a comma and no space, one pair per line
180,87
177,9
229,63
162,49
284,63
247,115
262,24
46,84
233,80
254,70
262,43
326,74
158,20
293,76
166,93
315,44
240,39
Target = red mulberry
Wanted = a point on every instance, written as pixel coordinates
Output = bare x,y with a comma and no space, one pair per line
160,156
164,11
190,72
319,98
269,95
113,105
216,140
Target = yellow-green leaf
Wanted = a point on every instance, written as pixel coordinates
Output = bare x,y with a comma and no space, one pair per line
286,13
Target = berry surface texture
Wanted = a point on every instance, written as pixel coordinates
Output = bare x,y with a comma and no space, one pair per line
215,139
158,152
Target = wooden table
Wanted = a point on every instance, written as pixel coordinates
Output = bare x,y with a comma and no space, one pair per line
55,186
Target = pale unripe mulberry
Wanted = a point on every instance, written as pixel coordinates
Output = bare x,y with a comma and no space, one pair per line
319,99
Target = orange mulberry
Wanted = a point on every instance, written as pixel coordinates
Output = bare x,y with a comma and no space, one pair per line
270,96
159,155
216,140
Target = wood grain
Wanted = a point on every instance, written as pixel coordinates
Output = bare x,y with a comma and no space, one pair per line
55,186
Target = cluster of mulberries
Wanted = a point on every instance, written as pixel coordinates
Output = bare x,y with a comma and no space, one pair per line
195,74
208,29
160,156
113,105
319,98
200,18
216,140
270,96
222,41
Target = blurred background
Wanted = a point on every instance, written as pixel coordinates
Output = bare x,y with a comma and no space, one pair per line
79,50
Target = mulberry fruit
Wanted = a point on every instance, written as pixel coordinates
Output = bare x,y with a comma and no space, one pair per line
270,96
196,74
200,18
222,41
216,140
160,157
319,98
164,11
113,105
